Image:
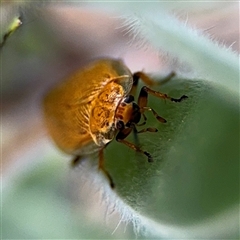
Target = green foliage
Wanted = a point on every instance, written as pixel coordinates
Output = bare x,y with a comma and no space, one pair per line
191,190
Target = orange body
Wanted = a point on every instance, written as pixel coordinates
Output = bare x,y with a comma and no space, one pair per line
80,111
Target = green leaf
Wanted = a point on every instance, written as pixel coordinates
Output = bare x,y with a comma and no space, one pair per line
14,25
191,190
194,176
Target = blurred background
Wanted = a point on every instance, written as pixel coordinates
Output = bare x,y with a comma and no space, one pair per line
39,192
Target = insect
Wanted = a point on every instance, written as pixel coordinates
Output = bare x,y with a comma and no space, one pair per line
95,105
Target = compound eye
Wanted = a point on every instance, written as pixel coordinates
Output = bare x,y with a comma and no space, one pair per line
120,125
129,99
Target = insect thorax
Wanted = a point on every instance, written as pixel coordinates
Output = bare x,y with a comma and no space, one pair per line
102,125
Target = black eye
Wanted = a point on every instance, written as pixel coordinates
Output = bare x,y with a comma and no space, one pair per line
120,125
129,99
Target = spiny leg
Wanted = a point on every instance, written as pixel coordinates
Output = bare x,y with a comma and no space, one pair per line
144,120
134,86
143,97
159,118
142,103
150,129
135,132
121,138
149,81
145,90
145,78
101,167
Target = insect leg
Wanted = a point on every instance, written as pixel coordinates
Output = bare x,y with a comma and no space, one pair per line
144,120
145,90
101,167
136,76
149,81
159,118
148,130
121,138
134,86
142,103
76,160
